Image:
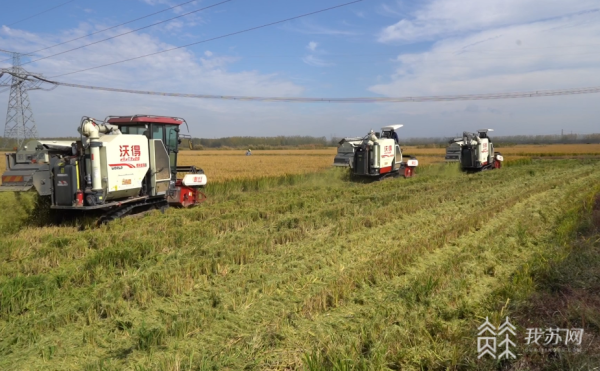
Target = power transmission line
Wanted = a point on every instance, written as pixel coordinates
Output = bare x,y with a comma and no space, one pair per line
42,12
105,29
128,32
213,38
407,99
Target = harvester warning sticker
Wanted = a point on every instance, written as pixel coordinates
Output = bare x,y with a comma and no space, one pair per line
126,182
130,153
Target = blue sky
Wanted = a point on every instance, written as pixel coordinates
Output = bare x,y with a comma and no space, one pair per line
372,48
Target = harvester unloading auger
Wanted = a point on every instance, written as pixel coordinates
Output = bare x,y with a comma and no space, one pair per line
121,165
377,155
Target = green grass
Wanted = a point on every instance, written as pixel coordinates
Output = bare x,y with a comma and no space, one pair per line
299,272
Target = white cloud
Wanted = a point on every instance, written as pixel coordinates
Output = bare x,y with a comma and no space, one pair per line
208,53
179,24
311,60
443,18
177,71
360,14
556,53
312,46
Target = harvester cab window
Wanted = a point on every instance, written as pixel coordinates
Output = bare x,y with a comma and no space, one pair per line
172,144
158,132
131,129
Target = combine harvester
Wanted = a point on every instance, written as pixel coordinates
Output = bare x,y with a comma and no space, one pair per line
377,155
123,165
474,152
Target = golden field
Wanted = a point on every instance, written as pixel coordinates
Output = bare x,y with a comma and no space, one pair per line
232,164
222,165
314,274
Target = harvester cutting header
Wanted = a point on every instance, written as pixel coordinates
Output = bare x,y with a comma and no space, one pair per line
119,165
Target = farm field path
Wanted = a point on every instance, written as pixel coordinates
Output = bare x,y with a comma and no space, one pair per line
387,274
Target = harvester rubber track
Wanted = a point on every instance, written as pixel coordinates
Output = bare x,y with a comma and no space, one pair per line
125,210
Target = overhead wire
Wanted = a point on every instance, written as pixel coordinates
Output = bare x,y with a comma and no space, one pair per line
7,52
406,99
128,32
213,38
109,28
415,99
42,12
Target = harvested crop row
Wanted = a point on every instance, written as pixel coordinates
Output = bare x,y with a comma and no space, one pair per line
232,282
425,311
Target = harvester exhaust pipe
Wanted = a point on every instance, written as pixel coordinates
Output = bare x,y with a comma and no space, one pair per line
92,132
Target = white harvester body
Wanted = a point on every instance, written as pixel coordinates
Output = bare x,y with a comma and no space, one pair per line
477,152
124,161
375,155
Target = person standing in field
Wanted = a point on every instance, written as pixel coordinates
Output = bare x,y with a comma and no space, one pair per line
249,152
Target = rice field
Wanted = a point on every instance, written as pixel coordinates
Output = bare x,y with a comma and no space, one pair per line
315,273
225,165
228,165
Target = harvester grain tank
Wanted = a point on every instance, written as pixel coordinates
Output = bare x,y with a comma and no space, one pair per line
377,155
477,152
121,165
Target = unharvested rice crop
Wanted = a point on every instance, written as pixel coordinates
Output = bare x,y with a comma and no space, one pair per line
233,164
317,274
224,165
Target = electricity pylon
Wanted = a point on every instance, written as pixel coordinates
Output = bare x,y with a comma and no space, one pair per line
20,124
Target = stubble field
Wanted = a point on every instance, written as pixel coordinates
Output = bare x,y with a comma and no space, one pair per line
311,272
288,265
225,165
